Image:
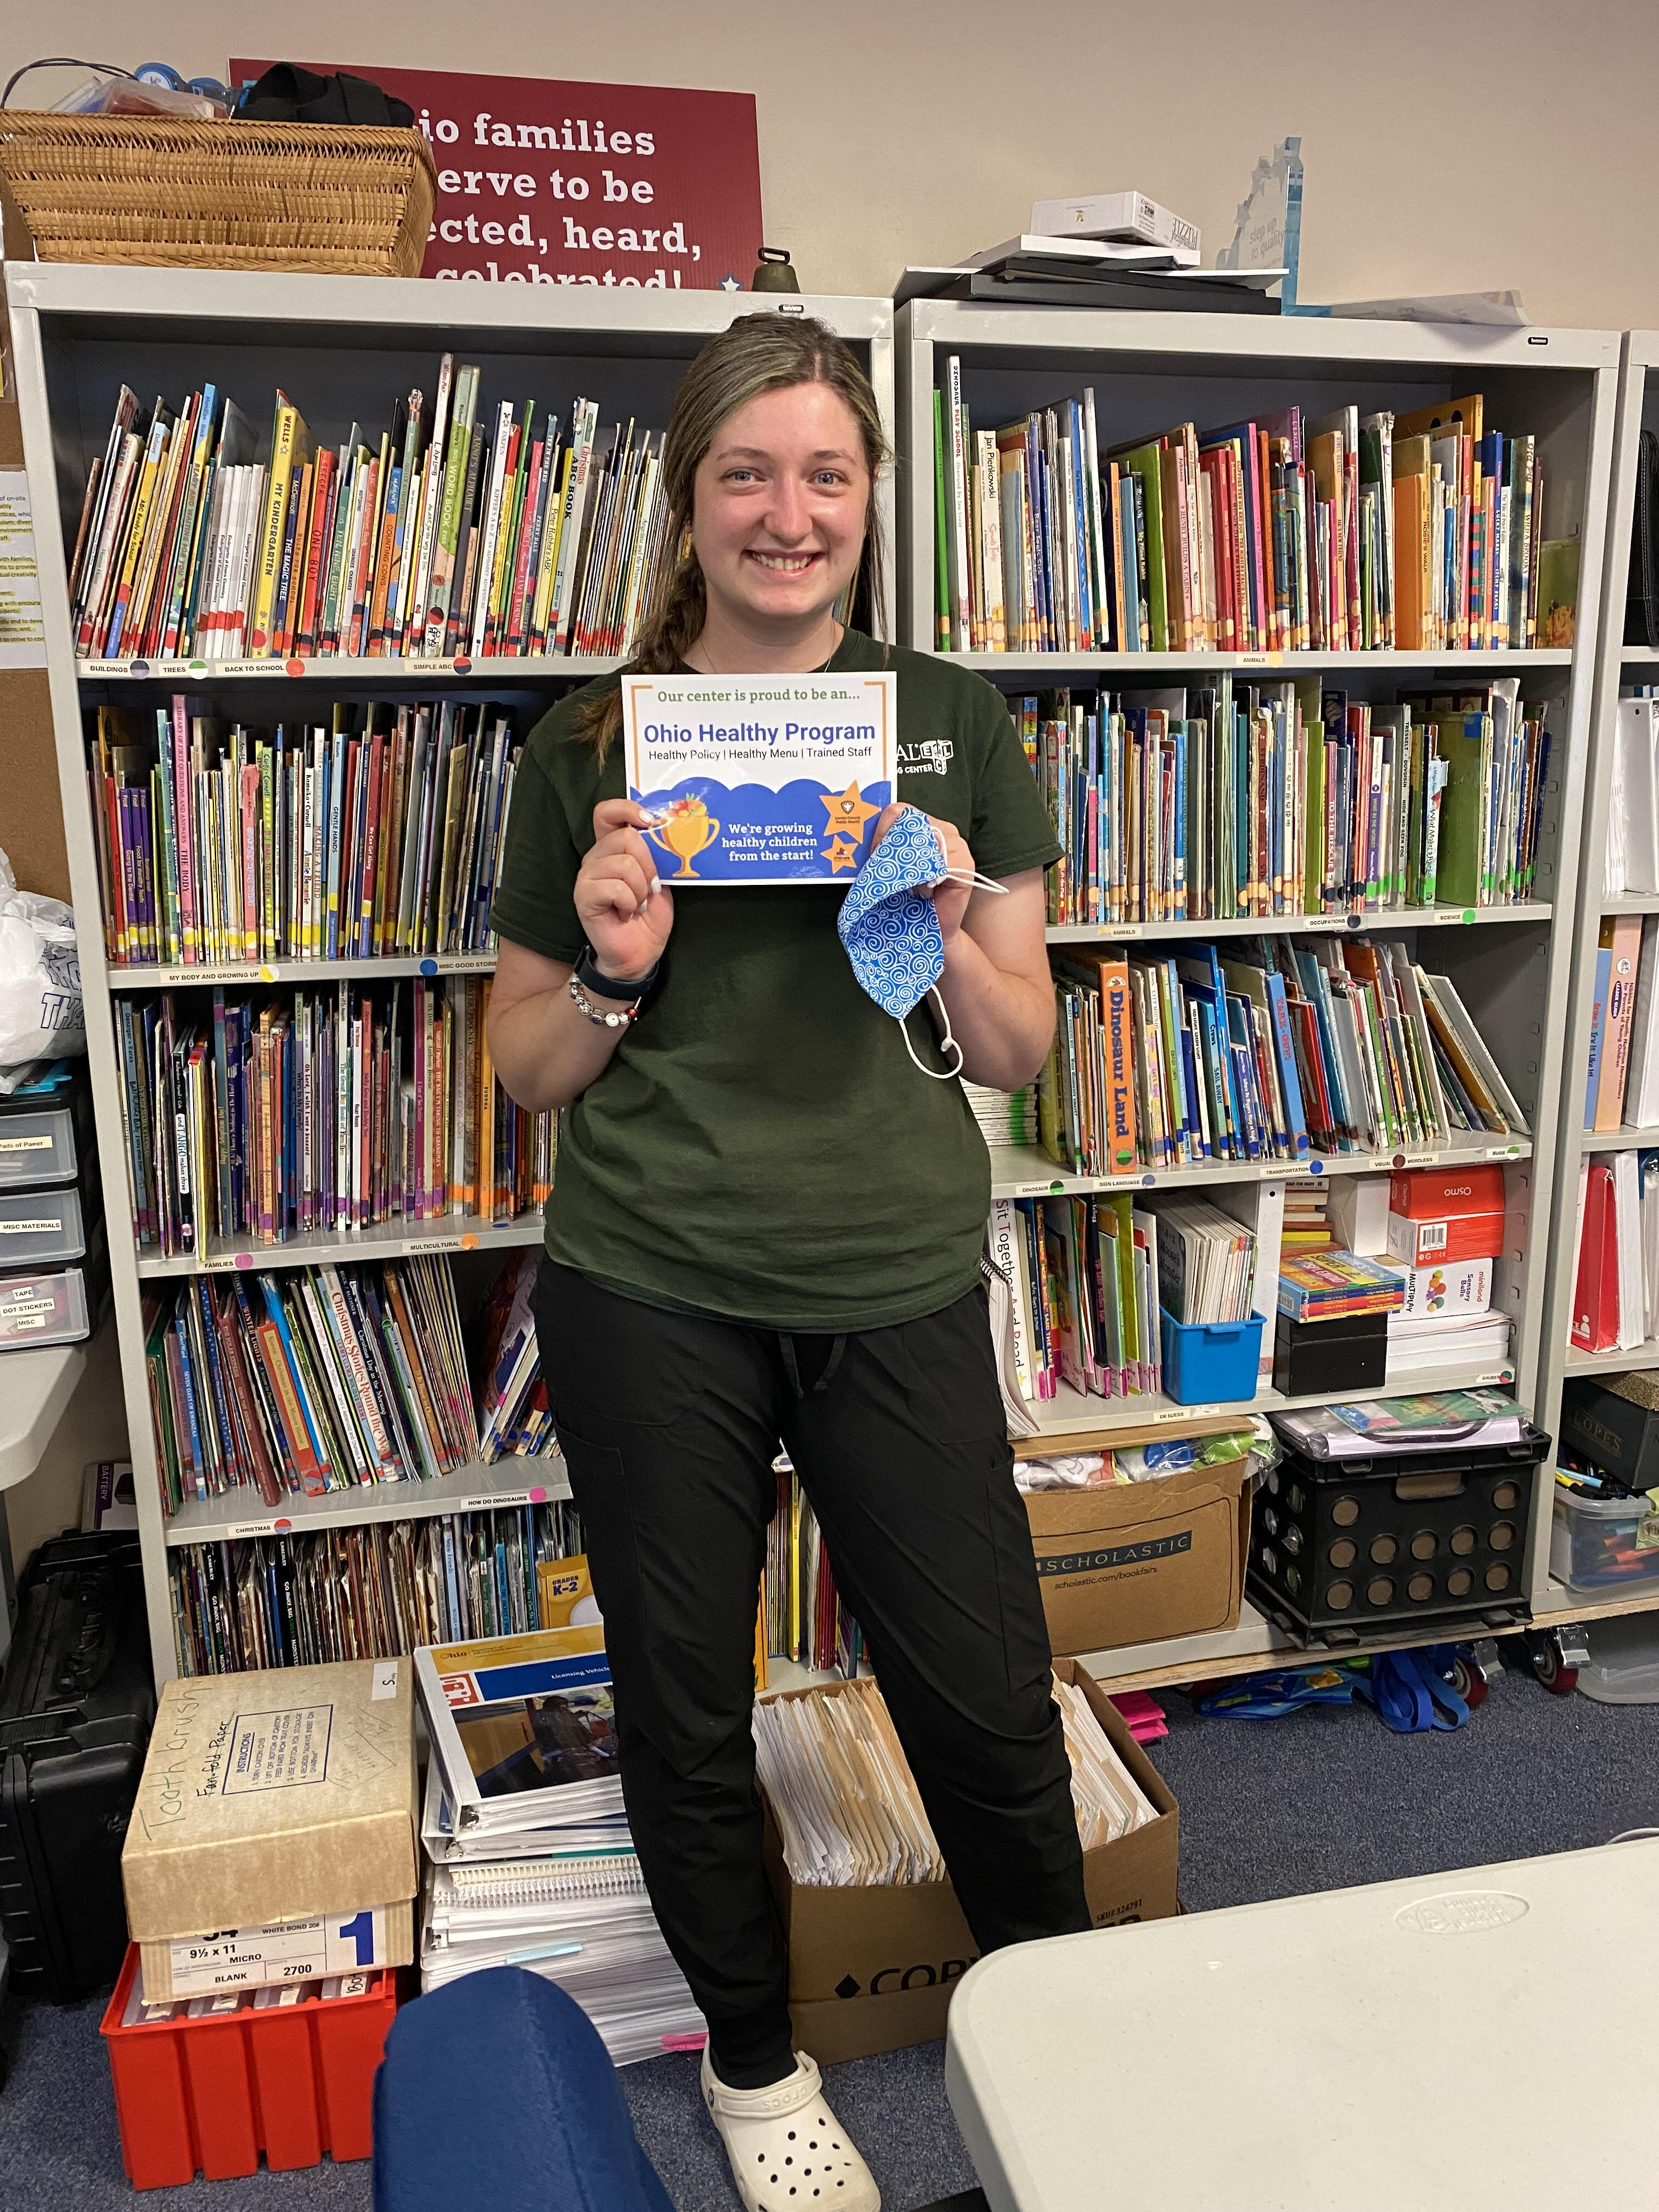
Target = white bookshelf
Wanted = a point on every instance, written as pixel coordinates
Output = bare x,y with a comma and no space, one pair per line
1616,664
1513,966
345,348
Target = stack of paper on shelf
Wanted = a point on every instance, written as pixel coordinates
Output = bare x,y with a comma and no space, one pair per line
529,1859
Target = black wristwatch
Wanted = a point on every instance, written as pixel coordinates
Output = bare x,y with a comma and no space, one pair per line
591,977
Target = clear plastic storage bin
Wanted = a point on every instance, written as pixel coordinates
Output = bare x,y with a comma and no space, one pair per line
1624,1660
38,1228
44,1308
1603,1543
38,1147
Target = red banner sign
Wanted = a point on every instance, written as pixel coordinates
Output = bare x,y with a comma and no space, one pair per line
541,181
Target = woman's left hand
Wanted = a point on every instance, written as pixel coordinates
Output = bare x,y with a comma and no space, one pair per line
950,898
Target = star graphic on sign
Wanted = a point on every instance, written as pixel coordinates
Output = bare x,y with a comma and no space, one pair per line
848,812
731,283
843,853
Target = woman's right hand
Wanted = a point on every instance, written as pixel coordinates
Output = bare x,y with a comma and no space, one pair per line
623,906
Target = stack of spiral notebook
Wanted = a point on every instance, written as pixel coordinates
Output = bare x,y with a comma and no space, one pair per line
530,1860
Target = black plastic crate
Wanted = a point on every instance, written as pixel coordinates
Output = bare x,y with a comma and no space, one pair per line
1343,1552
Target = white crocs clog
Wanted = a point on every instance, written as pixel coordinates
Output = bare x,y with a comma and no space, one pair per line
789,2151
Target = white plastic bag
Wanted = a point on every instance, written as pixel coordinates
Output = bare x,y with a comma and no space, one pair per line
40,1014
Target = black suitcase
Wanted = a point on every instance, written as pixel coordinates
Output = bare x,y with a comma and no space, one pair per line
76,1703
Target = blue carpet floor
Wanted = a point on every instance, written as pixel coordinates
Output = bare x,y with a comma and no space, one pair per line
1325,1798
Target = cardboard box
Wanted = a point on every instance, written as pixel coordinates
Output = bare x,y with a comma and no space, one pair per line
1348,1352
1448,1286
1614,1424
277,1797
873,1969
1140,1561
1445,1214
345,1941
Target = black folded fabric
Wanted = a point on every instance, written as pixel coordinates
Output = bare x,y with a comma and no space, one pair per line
288,94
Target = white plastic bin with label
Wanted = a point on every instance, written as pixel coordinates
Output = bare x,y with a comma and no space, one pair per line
1394,2049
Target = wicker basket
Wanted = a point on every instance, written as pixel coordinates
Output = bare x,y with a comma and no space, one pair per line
345,199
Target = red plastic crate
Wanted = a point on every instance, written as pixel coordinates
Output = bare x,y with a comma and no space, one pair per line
209,2095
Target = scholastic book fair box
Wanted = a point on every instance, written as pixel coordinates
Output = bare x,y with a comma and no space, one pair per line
874,1968
1139,1562
272,1850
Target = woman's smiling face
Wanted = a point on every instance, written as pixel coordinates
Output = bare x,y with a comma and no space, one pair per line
779,503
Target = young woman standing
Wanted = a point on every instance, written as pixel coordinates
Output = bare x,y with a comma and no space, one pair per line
766,1224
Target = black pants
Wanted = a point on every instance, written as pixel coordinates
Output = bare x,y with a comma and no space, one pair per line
670,1423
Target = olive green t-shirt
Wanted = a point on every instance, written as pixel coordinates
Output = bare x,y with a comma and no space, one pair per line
760,1145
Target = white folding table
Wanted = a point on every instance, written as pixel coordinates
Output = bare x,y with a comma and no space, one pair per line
1481,2041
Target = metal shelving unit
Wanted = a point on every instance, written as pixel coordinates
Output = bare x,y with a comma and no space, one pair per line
1616,666
1513,966
344,347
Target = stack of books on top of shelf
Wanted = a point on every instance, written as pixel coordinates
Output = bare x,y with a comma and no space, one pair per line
460,529
260,1119
529,1859
1418,532
1307,1217
376,1592
1260,1048
380,834
1218,802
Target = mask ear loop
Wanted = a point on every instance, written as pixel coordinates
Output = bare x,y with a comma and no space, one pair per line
969,876
947,1043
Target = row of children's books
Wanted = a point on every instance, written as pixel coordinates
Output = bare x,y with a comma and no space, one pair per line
460,529
1233,800
253,1120
1259,1048
369,1593
380,833
1084,1275
1335,533
314,1380
803,1615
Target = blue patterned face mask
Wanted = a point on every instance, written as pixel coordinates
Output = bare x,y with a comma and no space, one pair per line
891,933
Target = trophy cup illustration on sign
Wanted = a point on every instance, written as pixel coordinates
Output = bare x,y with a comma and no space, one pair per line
686,828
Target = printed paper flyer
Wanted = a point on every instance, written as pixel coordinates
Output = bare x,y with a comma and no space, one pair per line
761,779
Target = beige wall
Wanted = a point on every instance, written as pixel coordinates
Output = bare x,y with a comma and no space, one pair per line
1447,147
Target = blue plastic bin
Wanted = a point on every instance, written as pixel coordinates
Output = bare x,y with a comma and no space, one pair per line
1207,1360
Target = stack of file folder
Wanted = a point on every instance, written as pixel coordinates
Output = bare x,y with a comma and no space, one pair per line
530,1861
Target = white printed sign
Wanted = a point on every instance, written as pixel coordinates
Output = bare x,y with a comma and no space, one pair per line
284,1951
761,779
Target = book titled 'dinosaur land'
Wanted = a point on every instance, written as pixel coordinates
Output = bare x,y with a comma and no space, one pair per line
761,779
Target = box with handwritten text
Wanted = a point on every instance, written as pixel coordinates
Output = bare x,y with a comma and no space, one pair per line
761,779
274,1835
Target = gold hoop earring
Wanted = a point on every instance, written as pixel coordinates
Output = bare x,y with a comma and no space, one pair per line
685,544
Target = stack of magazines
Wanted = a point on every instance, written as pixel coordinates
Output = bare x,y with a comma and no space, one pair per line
529,1861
